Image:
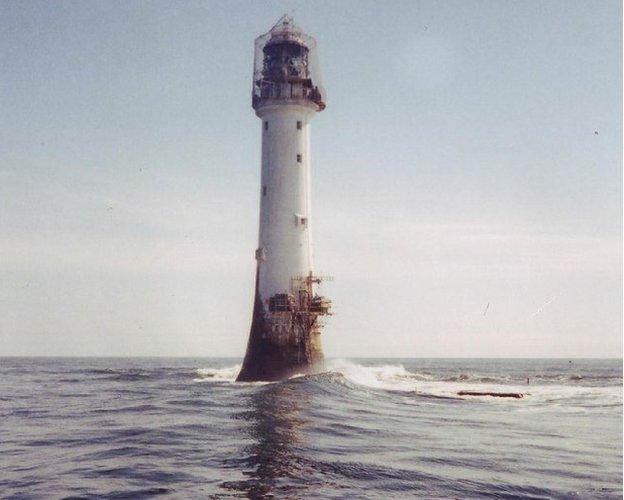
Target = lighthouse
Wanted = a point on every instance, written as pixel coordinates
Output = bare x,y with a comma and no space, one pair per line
288,312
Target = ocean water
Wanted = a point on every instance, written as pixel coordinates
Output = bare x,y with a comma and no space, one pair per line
366,428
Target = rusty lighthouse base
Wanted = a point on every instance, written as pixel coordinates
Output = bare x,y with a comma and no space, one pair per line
285,337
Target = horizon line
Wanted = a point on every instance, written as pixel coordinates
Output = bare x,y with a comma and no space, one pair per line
63,356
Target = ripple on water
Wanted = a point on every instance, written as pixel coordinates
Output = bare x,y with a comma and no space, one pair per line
366,429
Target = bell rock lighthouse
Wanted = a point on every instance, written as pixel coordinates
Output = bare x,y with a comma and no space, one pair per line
286,323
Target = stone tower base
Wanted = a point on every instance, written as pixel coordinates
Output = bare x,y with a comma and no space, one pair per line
279,350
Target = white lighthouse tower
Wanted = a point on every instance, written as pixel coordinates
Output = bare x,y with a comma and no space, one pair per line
286,94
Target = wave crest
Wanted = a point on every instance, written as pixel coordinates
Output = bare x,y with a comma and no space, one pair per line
225,374
387,377
345,375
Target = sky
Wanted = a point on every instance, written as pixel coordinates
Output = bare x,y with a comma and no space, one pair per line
467,176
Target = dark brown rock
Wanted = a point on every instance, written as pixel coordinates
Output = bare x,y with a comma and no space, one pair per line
516,395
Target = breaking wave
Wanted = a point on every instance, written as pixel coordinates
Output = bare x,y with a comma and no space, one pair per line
395,378
226,374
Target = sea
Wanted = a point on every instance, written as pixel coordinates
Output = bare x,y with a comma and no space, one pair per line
364,428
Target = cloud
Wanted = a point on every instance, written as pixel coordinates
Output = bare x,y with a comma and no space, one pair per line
399,245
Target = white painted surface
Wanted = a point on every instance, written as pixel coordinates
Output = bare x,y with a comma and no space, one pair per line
285,206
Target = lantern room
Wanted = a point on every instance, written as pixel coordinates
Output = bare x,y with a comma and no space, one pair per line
286,68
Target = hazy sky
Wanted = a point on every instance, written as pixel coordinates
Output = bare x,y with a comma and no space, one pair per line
470,154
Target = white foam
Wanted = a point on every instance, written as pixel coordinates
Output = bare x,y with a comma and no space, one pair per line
389,377
397,378
556,394
226,374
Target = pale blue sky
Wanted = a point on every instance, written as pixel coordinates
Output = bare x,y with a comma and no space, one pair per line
470,154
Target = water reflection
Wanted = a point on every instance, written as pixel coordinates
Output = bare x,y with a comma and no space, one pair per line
274,461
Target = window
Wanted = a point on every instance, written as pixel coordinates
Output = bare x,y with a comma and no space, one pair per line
264,190
301,220
261,254
299,125
266,125
298,158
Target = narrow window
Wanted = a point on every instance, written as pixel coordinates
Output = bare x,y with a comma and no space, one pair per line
299,125
298,158
266,125
264,190
301,220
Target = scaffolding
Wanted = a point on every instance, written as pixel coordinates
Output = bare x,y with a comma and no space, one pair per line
302,302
